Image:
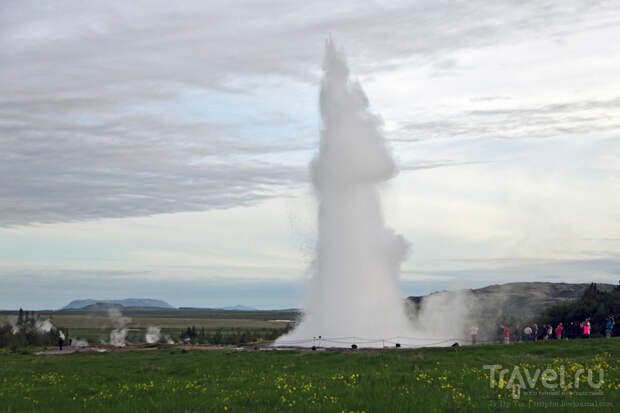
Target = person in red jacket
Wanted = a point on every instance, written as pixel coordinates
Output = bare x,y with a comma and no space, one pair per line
586,328
558,331
506,335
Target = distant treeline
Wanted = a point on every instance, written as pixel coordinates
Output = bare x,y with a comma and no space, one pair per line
28,330
236,336
594,303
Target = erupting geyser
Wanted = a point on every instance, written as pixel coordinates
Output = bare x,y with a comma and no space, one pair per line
354,290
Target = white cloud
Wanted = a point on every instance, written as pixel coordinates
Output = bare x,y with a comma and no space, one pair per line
124,109
128,116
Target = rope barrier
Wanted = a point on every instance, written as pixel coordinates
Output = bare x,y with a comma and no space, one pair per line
360,341
402,341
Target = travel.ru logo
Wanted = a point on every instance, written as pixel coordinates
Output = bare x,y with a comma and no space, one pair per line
522,378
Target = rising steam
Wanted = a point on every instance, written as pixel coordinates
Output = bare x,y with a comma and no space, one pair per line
43,326
12,320
118,335
153,335
354,291
33,324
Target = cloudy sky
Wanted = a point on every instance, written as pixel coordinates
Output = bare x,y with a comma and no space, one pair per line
160,149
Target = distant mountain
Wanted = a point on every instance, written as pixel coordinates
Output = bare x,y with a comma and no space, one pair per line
127,302
101,307
238,308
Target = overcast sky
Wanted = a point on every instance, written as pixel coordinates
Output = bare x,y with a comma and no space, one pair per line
160,149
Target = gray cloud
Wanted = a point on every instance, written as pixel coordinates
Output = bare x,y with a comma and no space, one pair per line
553,120
414,166
209,45
43,187
86,126
59,171
484,271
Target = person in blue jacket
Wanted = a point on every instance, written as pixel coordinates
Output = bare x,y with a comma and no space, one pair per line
609,326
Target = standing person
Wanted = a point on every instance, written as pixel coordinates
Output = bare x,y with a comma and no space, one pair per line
535,332
61,342
474,335
586,328
609,326
558,331
577,329
517,334
527,333
506,335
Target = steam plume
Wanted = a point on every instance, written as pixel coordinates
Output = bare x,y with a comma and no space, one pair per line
354,291
153,335
12,319
44,326
118,335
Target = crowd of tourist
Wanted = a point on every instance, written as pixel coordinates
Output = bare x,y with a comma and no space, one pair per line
572,330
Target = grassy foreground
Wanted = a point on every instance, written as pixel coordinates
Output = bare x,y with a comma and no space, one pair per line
432,379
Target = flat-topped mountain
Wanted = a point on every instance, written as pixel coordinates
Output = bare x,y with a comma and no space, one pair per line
127,302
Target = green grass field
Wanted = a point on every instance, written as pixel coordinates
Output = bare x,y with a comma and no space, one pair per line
431,379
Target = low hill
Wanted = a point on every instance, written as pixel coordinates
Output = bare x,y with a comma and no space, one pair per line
127,302
237,308
520,301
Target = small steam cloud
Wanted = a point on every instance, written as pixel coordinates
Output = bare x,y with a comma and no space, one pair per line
153,335
43,326
80,343
32,324
118,336
444,316
12,319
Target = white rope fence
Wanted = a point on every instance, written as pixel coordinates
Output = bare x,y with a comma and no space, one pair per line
362,342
